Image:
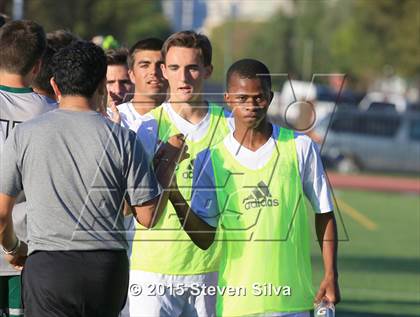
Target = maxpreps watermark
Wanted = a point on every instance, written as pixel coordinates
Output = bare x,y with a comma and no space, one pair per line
196,289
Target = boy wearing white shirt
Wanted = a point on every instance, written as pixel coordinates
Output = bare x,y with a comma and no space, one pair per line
165,263
249,188
144,68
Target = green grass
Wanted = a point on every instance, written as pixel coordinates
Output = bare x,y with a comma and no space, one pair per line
380,269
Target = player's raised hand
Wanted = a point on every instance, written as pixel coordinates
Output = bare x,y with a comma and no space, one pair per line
115,116
168,155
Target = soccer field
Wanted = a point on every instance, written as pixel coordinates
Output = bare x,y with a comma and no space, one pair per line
379,254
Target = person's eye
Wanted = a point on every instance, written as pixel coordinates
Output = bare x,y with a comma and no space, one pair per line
241,99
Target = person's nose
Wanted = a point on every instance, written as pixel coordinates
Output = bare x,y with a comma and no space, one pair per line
183,75
154,71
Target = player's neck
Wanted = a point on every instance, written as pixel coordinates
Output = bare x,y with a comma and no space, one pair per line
13,80
144,103
253,138
193,112
75,103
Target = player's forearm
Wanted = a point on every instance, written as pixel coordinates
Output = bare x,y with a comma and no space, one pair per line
8,238
149,213
197,229
326,230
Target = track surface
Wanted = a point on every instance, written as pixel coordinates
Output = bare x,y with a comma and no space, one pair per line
374,183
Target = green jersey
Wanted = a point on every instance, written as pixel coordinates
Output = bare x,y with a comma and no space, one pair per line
166,248
262,228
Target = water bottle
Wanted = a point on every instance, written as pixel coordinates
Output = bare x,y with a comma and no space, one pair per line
324,309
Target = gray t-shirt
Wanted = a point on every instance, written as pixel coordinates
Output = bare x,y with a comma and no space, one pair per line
76,169
18,105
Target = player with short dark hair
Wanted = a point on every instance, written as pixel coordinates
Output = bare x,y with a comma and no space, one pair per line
41,84
60,38
79,69
118,81
250,189
23,43
249,68
150,87
77,168
21,46
55,41
148,44
165,256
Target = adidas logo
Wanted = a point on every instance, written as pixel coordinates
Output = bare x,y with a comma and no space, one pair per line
188,174
260,197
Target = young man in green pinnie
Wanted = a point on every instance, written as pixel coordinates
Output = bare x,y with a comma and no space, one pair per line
165,257
249,189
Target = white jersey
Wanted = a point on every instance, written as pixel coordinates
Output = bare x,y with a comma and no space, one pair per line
132,120
18,105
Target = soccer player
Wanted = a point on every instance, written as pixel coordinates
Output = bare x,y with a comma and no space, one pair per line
77,167
165,257
118,82
144,64
41,83
22,44
250,189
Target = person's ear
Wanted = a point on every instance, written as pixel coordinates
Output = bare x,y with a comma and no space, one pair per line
228,100
54,86
163,68
132,77
208,72
271,96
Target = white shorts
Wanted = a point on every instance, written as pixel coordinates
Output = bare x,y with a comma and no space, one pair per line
164,295
297,314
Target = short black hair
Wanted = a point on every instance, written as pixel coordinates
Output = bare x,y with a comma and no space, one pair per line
250,68
117,56
148,44
56,40
79,68
42,79
60,38
22,44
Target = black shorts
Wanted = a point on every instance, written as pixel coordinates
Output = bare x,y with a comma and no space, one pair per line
75,283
